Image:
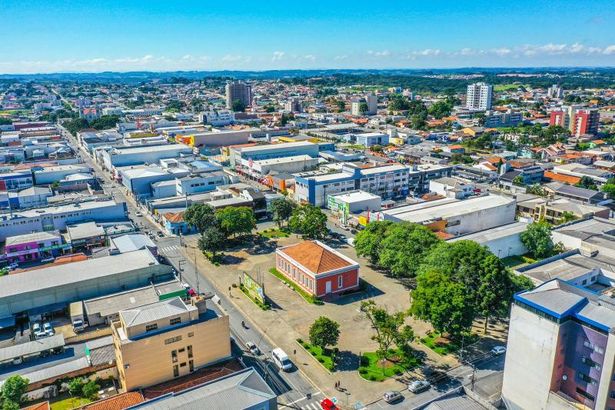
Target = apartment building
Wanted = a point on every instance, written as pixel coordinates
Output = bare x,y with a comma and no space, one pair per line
238,90
561,346
479,96
494,119
578,120
166,340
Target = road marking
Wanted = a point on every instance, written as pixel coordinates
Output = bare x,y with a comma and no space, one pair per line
170,249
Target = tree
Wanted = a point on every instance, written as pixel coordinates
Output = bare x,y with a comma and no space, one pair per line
442,302
404,247
390,329
13,389
175,106
201,216
566,217
518,181
587,183
308,221
281,209
398,102
341,105
236,220
363,107
75,387
75,125
90,390
105,122
238,106
609,188
9,405
441,109
537,239
368,242
212,241
324,332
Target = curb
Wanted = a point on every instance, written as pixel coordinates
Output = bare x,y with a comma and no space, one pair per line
313,357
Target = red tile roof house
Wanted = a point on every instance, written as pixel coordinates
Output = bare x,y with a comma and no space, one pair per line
317,268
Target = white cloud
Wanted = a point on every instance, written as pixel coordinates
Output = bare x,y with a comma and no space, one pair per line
309,57
341,57
383,53
278,55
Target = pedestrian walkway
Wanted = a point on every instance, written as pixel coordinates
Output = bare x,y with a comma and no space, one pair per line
171,250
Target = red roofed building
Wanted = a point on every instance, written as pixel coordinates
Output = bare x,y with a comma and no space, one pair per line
317,268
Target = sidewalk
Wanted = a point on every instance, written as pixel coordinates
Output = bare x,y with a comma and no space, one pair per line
291,317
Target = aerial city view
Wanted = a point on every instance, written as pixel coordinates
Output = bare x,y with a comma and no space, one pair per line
321,206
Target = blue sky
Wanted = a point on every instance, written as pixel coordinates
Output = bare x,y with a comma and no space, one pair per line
77,36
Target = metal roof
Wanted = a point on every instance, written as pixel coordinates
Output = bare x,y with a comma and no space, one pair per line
29,348
155,311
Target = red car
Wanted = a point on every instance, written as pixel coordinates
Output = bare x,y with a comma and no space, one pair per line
327,404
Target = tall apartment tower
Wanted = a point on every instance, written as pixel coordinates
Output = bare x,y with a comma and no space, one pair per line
578,120
555,91
561,347
237,90
479,96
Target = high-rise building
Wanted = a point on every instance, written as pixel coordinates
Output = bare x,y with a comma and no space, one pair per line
370,100
167,339
561,346
585,123
237,90
479,96
579,121
555,91
293,105
372,104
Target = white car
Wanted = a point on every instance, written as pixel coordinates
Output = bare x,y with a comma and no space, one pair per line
13,266
253,348
48,329
418,386
38,331
280,358
139,214
49,259
498,350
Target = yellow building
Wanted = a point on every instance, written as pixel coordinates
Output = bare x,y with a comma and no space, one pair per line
167,339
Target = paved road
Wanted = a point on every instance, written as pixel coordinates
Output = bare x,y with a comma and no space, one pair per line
295,391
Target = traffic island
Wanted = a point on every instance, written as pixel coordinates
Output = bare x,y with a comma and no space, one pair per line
375,369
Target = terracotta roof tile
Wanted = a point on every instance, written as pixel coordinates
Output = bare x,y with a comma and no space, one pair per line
119,402
315,257
39,406
567,179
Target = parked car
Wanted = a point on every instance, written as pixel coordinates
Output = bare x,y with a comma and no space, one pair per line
13,266
139,214
328,404
252,348
418,386
498,350
280,358
17,361
37,331
78,325
160,234
48,329
392,396
49,259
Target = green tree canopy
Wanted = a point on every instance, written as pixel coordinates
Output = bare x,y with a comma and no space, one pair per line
105,122
90,390
390,328
587,183
238,106
201,216
308,221
281,209
236,220
324,332
537,239
368,242
404,247
14,388
609,188
212,241
398,102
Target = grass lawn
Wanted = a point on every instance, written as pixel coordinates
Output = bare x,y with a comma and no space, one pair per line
446,346
326,358
264,306
274,233
507,87
69,403
308,297
371,367
516,261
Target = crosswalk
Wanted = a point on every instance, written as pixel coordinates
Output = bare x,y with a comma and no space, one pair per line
313,403
169,250
311,406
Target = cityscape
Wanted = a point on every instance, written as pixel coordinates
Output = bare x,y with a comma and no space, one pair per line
429,227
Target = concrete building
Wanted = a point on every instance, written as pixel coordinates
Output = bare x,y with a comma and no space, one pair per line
370,100
578,120
217,118
270,151
54,287
479,97
561,347
369,139
244,390
386,181
50,175
555,91
201,183
58,217
450,187
34,246
182,337
139,179
217,137
495,119
122,157
317,268
502,241
353,202
237,90
554,210
292,164
456,217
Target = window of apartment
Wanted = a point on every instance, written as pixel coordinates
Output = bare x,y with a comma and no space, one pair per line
612,394
191,365
189,347
190,334
589,362
172,340
174,356
175,320
585,394
585,378
149,328
183,364
340,281
175,371
182,350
